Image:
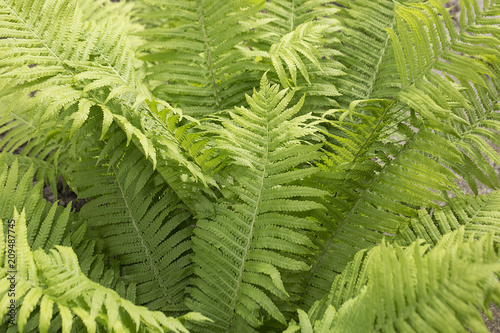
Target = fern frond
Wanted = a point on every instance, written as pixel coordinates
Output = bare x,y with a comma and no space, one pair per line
416,289
94,74
462,56
44,280
257,230
69,77
463,102
379,176
475,139
478,215
301,29
52,225
24,137
366,51
198,65
301,40
93,57
48,223
141,221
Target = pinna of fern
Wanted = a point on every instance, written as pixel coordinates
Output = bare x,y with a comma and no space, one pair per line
394,157
387,290
257,230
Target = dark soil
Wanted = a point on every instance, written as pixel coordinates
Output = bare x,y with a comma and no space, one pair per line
64,196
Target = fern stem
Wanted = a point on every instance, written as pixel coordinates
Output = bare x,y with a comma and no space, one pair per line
254,218
146,250
207,51
353,209
377,66
37,37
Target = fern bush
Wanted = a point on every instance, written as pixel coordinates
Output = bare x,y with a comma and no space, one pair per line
249,165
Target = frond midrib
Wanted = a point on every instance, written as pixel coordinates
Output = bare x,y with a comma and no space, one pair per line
207,52
254,219
34,34
136,228
318,262
427,299
377,67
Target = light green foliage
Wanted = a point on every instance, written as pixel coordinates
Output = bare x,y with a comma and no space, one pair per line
240,249
396,159
299,41
249,165
136,229
294,41
392,294
478,215
371,71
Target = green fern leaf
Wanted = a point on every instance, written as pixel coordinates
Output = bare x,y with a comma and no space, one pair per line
421,89
52,225
413,289
140,221
301,40
198,62
55,278
366,51
255,233
377,176
297,30
402,180
474,137
64,75
79,74
478,215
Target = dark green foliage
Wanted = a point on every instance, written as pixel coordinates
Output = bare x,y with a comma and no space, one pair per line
144,224
367,52
198,66
268,165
